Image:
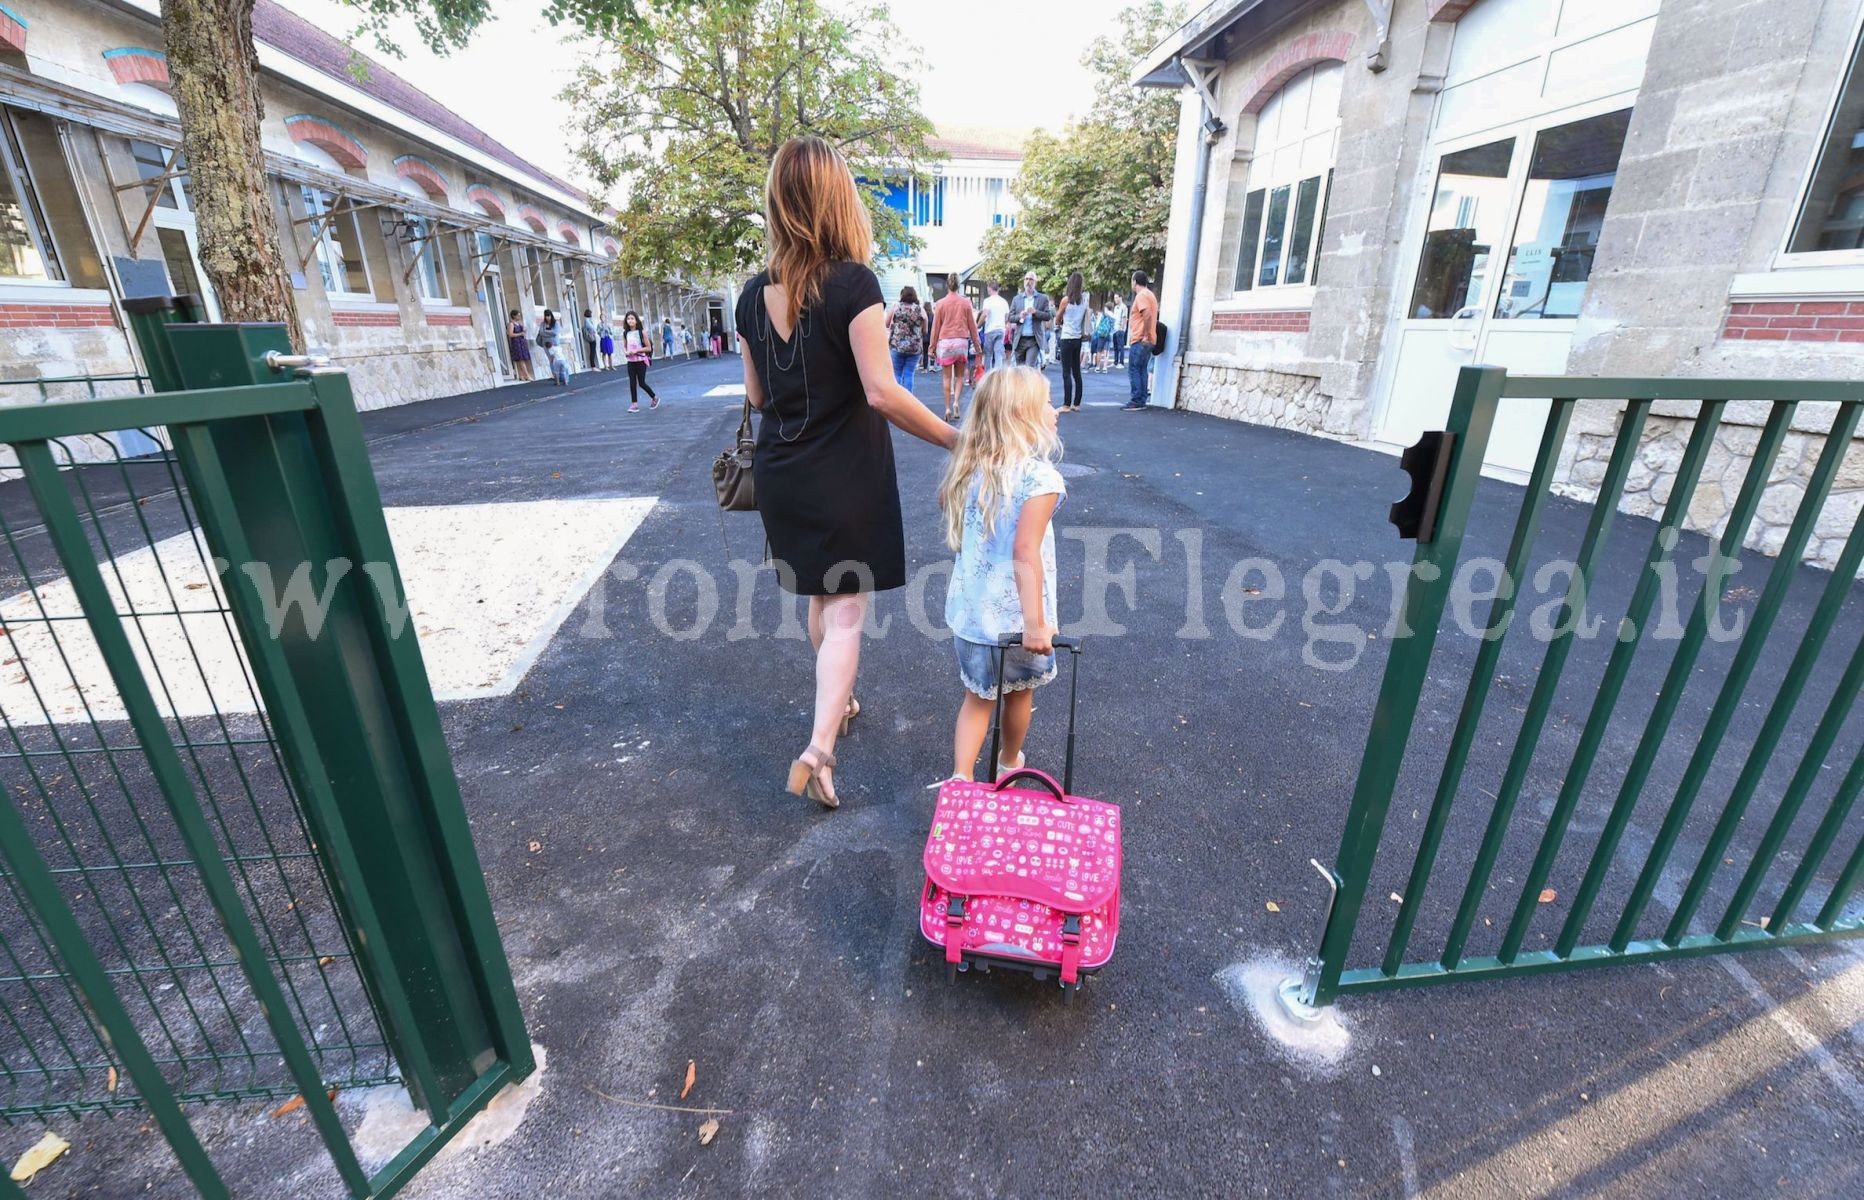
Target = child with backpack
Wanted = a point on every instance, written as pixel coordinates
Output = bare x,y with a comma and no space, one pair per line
999,497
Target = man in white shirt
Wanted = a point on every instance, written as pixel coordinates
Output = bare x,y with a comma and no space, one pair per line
996,313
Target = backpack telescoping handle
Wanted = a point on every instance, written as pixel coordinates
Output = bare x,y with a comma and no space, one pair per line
1073,647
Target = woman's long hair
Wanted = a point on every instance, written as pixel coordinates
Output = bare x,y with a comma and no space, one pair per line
1074,287
814,218
1003,428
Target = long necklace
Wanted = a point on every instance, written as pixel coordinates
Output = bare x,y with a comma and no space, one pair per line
799,349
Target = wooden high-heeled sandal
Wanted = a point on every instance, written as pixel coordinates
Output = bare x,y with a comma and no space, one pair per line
805,777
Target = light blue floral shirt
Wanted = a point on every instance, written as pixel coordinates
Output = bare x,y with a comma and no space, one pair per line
982,604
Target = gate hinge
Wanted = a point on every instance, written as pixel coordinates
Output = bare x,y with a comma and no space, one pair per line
1428,464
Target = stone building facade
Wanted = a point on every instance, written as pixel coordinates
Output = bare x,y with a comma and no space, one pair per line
409,233
1598,187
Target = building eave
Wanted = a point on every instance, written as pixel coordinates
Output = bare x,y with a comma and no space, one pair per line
1193,39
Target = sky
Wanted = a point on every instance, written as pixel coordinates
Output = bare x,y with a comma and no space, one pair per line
976,67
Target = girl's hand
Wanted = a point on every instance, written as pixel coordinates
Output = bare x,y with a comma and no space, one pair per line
1039,639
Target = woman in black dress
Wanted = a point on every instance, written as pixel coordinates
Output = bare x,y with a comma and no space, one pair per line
812,333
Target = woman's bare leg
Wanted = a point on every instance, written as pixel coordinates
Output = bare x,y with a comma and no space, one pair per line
838,657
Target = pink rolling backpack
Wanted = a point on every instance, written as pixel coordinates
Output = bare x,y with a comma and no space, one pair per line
1021,874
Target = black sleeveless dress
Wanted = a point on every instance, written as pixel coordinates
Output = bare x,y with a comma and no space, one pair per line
826,484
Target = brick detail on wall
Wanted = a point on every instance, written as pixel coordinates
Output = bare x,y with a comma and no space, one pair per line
1449,10
374,318
328,137
435,318
424,173
1292,59
138,64
12,30
55,316
1289,321
1795,321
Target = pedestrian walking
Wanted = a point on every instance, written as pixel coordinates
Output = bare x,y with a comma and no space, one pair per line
549,339
591,336
906,336
1072,322
638,350
813,337
1119,331
666,337
925,350
519,346
996,315
605,335
1141,329
1102,343
1030,314
954,333
999,497
718,336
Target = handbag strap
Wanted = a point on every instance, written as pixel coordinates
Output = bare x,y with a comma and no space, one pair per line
744,423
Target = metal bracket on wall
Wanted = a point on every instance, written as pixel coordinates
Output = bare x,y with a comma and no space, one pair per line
1381,11
1202,74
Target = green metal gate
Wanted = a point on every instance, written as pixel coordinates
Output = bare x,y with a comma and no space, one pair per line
234,862
1585,920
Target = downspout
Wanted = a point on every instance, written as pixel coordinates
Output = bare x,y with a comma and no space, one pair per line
1198,73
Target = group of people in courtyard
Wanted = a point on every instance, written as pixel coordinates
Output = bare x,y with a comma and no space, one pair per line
828,365
600,341
1079,331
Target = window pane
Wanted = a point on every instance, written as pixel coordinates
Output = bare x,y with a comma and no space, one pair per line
1246,248
71,251
347,236
429,278
1465,224
182,279
19,232
1272,237
1301,241
1833,215
1569,183
151,163
1320,232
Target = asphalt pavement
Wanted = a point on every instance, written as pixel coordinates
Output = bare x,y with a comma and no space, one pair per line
663,901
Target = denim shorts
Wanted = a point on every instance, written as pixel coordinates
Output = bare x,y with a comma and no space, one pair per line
977,667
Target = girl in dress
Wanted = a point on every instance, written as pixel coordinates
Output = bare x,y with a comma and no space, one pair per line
999,497
606,334
519,345
637,347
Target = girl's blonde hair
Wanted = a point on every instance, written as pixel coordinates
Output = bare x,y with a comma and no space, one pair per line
813,218
1003,428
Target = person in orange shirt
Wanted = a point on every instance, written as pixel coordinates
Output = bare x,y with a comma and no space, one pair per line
1141,328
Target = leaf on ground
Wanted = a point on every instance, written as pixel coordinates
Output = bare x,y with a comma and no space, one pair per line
288,1107
536,846
110,1081
1274,907
708,1130
44,1152
1548,896
1396,898
692,1073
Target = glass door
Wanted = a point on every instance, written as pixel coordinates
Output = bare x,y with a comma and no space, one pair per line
1506,252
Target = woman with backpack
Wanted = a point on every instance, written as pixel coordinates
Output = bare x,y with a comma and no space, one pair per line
906,336
549,339
638,350
1103,338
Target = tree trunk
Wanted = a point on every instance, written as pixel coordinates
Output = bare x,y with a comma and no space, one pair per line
213,71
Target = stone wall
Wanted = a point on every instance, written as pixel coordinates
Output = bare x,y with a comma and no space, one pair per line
1264,397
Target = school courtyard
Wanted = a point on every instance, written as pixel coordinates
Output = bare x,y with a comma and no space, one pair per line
664,902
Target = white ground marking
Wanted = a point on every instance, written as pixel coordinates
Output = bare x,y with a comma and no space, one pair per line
1407,1154
488,586
1808,1041
1320,1044
390,1121
726,389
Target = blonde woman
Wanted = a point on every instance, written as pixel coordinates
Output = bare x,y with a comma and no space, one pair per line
999,498
813,337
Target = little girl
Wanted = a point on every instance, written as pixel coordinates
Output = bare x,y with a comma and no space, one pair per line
999,495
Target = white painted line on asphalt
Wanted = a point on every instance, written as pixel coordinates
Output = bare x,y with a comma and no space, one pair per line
1808,1042
727,389
1407,1154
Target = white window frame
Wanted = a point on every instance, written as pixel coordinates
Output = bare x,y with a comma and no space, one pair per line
330,251
38,230
1283,294
1809,265
427,255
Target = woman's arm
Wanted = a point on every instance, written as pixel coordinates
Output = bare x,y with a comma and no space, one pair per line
753,386
1038,634
867,336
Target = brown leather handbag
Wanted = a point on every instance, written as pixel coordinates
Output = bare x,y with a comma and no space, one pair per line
731,470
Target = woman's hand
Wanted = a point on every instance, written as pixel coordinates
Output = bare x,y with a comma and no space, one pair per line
867,335
1039,638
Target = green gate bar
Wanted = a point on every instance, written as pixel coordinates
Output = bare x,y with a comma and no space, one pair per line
1480,393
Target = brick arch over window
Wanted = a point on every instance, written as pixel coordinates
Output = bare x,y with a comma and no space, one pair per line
611,247
1292,59
12,30
530,216
487,200
329,138
138,64
569,233
412,166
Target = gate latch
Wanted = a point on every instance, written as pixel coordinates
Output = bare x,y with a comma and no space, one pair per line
1428,464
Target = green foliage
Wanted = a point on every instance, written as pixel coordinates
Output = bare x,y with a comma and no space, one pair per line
1096,199
685,110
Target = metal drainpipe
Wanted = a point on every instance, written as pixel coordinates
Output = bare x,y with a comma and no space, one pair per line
1176,341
